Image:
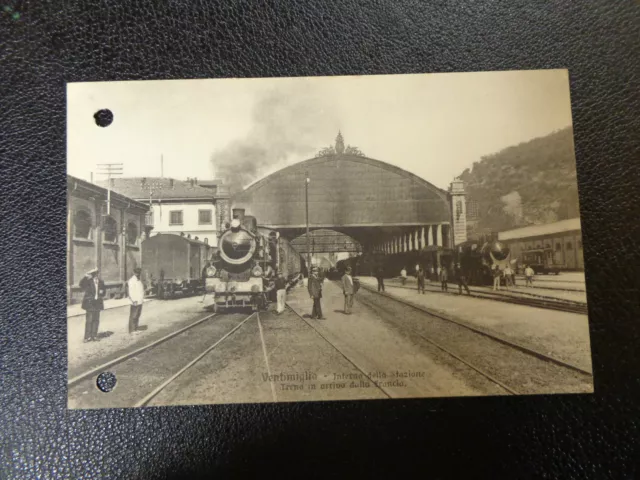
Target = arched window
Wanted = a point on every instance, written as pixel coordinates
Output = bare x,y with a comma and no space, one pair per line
82,224
558,247
569,246
110,230
132,233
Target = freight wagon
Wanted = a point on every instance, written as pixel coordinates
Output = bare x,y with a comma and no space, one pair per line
172,265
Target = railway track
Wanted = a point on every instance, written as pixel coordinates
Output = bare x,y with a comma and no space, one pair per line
543,361
91,374
360,368
509,343
548,303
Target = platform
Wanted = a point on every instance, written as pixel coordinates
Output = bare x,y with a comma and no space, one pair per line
158,318
520,290
76,309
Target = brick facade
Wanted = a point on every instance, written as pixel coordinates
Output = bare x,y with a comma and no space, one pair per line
95,239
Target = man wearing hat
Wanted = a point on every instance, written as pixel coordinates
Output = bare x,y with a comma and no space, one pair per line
315,292
92,303
135,292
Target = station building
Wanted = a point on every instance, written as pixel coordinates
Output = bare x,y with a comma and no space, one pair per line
196,210
560,241
97,236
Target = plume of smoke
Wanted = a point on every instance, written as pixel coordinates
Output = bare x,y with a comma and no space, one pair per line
512,205
288,124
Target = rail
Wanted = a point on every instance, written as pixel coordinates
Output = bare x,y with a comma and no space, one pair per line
509,343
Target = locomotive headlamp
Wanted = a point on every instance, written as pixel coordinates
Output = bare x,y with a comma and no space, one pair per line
211,272
257,271
235,224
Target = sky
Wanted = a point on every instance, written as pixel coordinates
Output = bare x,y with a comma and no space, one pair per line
433,125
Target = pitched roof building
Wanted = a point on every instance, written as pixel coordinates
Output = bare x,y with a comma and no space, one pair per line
194,209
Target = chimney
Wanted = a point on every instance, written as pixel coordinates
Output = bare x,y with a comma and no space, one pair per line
239,214
171,182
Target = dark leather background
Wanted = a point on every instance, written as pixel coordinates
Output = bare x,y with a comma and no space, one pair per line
527,437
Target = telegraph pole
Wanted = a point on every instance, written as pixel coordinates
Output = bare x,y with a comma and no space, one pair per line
306,196
110,170
153,188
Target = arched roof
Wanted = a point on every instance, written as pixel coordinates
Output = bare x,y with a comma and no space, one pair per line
344,190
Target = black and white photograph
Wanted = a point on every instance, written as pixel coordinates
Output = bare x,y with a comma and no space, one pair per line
300,239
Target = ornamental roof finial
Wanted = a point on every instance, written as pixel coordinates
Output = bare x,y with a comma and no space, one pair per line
339,143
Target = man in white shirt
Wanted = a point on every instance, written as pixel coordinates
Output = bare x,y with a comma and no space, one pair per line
135,291
508,277
348,290
403,275
528,273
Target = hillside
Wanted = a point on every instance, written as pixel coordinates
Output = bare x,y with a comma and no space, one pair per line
530,183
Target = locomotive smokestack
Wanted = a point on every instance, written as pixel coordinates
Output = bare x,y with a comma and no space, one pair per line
239,214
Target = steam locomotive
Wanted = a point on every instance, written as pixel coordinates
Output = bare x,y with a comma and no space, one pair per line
242,269
479,259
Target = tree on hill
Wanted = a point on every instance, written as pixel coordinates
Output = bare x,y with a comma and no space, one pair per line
530,183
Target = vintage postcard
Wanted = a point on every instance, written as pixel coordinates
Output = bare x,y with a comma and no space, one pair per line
322,239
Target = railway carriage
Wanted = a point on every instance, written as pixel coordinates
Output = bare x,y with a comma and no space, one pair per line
172,265
243,268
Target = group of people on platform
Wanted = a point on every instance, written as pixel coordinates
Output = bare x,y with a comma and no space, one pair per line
509,276
93,302
314,285
421,277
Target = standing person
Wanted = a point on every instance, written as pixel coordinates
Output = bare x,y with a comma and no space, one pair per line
135,292
403,275
496,277
462,280
380,278
444,276
347,289
432,273
528,275
204,280
508,277
315,292
204,271
417,268
281,292
420,277
92,303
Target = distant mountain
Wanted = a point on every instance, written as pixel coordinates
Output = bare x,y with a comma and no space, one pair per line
530,183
